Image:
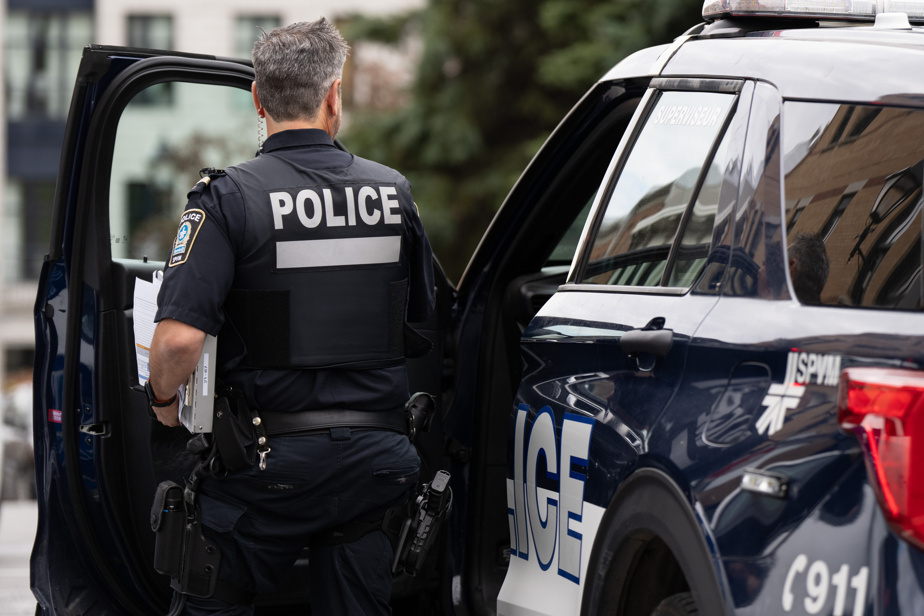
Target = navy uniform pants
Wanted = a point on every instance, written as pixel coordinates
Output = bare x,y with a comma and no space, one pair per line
262,520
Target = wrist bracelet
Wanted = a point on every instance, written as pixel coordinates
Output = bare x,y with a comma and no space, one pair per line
152,399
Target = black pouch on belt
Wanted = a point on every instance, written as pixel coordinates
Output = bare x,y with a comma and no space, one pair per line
168,521
234,431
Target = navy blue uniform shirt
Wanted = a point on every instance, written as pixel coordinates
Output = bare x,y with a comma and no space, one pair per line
195,292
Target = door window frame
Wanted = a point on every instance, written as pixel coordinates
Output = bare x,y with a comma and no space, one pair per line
95,168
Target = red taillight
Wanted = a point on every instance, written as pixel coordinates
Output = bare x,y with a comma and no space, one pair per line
883,406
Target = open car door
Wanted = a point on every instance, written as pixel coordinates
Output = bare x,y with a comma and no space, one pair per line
141,126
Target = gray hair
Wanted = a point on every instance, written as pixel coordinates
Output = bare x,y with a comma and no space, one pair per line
295,66
812,266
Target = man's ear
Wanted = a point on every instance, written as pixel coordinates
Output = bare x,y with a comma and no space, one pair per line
256,100
332,99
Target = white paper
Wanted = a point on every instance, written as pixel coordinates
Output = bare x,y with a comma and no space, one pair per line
145,308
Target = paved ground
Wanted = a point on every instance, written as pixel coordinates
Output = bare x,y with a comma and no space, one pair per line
17,531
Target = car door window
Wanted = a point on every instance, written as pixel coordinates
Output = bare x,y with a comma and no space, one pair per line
853,187
693,249
564,251
158,153
649,207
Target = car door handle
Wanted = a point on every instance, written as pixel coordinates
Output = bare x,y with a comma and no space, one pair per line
654,342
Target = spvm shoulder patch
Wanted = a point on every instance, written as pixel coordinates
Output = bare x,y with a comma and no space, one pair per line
190,223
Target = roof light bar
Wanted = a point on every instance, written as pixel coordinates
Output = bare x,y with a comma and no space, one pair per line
859,10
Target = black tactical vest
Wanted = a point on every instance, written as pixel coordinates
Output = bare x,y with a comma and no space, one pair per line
321,280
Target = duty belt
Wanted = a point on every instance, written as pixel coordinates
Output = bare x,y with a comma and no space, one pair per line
310,422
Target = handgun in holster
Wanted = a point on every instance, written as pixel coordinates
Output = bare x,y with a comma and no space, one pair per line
421,529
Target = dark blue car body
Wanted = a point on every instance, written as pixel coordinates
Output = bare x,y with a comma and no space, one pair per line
638,402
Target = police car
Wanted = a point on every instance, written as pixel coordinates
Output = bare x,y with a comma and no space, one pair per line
682,373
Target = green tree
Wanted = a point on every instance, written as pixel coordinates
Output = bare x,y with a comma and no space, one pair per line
493,79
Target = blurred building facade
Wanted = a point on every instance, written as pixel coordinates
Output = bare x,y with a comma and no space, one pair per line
43,40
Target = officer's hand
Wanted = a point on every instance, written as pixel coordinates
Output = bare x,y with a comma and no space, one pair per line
168,415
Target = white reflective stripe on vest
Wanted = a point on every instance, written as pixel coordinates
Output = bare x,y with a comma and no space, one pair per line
332,253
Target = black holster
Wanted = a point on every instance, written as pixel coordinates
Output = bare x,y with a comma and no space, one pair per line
421,529
419,410
199,573
235,430
180,550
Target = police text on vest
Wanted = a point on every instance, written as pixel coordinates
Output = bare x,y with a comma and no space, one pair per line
374,204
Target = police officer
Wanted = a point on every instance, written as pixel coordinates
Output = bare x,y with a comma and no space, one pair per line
307,262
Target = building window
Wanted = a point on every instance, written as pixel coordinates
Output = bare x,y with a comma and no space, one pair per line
836,215
41,57
27,229
152,32
248,28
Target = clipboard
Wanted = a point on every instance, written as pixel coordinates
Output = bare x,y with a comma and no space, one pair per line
198,395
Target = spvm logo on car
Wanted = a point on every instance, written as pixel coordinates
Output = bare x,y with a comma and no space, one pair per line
541,519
